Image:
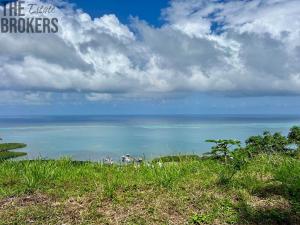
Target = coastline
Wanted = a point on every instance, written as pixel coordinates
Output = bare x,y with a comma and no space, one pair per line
185,192
254,183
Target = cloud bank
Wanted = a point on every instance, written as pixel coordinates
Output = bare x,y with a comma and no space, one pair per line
231,48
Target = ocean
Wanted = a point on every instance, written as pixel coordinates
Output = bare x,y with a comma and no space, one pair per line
97,137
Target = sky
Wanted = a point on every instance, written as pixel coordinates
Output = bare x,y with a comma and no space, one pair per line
149,11
156,57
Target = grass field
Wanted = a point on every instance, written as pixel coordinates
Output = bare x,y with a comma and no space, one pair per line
266,191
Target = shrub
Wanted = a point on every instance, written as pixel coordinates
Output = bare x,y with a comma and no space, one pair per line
267,143
294,136
239,158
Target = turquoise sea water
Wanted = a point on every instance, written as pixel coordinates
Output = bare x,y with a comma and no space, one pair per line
96,137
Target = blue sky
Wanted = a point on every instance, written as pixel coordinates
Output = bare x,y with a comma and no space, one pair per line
157,57
149,11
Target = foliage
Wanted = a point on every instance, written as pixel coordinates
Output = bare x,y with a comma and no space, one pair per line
239,158
234,155
223,148
199,219
289,175
294,136
267,143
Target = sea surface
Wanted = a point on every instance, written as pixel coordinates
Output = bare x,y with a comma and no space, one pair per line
97,137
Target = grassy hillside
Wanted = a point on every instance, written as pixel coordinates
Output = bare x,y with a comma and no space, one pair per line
257,182
266,191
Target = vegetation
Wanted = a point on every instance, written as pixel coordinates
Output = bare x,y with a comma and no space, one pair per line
223,148
11,146
10,155
64,192
294,136
177,158
267,143
243,185
6,153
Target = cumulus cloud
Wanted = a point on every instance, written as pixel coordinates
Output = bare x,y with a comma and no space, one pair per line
232,47
26,98
95,97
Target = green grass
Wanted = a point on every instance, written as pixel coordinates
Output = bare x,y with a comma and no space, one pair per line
11,146
266,191
177,158
6,153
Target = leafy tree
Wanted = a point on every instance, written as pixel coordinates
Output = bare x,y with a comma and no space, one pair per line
267,143
294,136
255,144
223,148
280,143
235,157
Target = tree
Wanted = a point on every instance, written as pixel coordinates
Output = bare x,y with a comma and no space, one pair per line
280,143
294,136
223,148
255,144
267,143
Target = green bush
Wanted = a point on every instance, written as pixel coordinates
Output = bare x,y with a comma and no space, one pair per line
267,143
294,136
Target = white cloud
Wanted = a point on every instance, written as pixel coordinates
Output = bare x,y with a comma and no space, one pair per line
256,51
26,98
95,97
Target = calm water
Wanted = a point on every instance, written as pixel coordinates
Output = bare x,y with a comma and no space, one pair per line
96,137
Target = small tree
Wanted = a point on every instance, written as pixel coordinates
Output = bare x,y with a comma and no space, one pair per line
223,148
294,136
240,158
